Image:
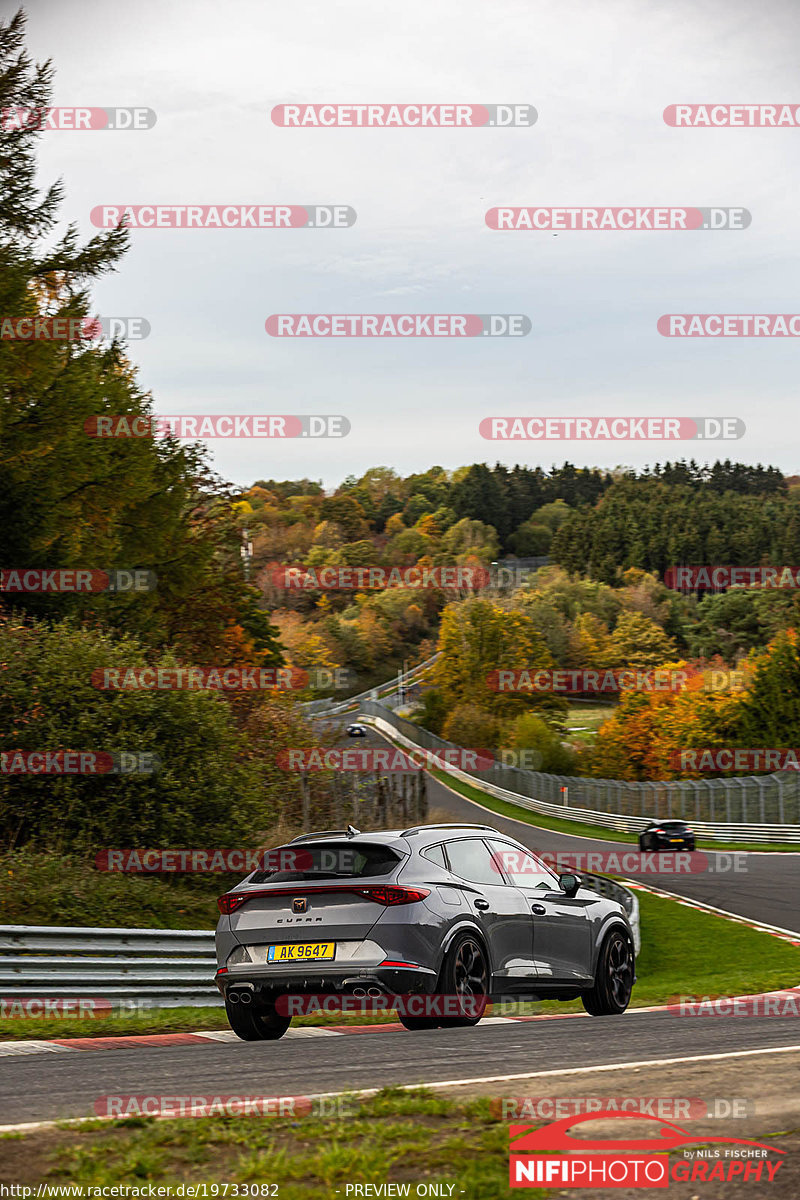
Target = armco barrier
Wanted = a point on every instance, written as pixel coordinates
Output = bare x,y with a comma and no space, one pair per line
330,708
164,967
661,800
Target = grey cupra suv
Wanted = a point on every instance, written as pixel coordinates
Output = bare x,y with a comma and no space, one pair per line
434,910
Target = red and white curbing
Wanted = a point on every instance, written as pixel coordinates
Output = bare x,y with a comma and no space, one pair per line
131,1042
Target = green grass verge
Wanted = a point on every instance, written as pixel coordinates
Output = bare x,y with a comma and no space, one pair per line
37,888
564,825
684,952
585,718
400,1137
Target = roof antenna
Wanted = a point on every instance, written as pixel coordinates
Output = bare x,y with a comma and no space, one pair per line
352,831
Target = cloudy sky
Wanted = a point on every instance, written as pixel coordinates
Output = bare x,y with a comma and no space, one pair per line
599,75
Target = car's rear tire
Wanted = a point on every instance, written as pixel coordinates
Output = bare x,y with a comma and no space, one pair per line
415,1023
256,1022
465,973
614,977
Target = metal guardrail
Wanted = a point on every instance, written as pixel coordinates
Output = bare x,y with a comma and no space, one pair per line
164,968
331,707
660,800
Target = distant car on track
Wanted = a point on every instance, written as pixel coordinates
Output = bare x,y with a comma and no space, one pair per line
356,731
453,911
667,835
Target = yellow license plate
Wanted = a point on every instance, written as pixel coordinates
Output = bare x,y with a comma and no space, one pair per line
679,840
301,952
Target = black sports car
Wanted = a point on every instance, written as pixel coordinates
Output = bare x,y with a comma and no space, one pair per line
667,835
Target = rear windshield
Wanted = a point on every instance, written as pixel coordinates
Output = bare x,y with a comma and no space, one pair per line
326,860
673,825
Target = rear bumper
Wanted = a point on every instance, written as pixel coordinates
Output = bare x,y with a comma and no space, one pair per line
666,844
340,979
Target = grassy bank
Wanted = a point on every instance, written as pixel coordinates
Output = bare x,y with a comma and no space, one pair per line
60,889
403,1137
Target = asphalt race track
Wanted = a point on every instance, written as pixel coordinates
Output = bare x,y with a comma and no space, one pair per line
67,1083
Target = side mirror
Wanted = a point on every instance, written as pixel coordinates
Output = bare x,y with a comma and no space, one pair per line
570,883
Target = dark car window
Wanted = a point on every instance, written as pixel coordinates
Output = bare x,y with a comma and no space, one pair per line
673,826
471,859
435,854
522,868
326,860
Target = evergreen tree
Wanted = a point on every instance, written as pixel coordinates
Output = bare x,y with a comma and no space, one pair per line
71,500
770,711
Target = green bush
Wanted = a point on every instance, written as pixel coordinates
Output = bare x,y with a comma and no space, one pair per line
432,712
531,732
471,726
213,788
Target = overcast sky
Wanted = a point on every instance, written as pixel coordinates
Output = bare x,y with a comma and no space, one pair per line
599,75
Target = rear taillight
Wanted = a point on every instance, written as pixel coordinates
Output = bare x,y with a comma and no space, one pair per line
384,894
389,896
